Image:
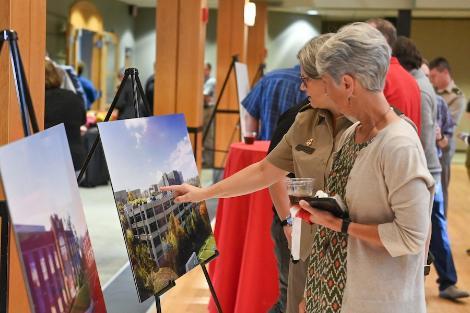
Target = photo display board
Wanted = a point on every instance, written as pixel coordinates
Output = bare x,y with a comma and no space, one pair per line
164,239
49,224
243,88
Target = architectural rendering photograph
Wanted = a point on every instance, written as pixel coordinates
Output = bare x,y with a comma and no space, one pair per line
164,239
49,224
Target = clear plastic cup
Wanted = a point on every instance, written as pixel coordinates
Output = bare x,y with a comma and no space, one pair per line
299,189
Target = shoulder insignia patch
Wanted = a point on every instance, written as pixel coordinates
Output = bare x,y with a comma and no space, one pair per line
457,91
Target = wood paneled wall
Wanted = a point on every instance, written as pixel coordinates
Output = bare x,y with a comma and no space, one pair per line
231,40
257,41
181,35
28,18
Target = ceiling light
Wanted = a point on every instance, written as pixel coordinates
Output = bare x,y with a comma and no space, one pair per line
250,13
312,12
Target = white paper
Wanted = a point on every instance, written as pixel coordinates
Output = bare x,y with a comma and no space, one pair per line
296,232
243,88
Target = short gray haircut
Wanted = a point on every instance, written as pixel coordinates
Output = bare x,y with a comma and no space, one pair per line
308,54
359,50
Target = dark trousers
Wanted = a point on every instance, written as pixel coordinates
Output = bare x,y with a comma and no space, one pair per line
282,252
440,244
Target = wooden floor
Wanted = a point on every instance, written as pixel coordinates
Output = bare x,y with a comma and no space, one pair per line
191,293
459,232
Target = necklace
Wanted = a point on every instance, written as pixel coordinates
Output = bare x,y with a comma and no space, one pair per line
368,136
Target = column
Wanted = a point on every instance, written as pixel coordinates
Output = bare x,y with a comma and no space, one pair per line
28,18
231,40
181,35
404,23
257,40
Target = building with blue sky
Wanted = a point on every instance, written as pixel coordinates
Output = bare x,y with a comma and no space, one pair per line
139,151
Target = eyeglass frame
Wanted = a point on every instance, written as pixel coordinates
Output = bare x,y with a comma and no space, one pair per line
305,79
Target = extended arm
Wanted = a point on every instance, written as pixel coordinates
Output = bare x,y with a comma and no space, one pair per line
253,178
278,192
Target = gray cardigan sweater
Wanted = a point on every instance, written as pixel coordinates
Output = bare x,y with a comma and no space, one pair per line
389,185
428,123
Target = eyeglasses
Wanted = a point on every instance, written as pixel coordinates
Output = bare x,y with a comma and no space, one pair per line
305,79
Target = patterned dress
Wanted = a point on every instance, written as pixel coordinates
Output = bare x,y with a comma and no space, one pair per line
326,276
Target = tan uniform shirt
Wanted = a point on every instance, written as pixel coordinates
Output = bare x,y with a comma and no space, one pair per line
307,151
455,99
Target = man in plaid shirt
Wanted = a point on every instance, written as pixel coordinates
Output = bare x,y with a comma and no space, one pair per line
274,94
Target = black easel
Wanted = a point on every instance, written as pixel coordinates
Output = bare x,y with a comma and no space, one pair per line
133,73
30,126
137,91
172,283
258,75
217,103
209,282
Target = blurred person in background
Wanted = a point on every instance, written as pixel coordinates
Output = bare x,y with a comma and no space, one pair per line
273,94
150,90
208,93
64,106
465,136
70,79
440,75
410,58
401,90
125,108
90,91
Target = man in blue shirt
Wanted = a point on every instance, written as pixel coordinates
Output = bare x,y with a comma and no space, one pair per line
90,91
274,94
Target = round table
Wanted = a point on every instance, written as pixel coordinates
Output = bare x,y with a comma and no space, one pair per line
245,274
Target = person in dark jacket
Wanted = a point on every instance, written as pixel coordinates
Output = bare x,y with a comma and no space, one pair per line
149,91
124,108
64,106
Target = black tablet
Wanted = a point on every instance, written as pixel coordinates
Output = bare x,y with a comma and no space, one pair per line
327,204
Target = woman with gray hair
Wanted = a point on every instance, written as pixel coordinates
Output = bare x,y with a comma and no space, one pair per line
372,261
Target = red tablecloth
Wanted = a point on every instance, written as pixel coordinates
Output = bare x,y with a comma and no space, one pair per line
245,273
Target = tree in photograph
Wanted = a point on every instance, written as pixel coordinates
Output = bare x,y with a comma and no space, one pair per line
172,240
191,229
120,208
178,245
171,249
138,201
204,215
157,280
146,266
131,196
